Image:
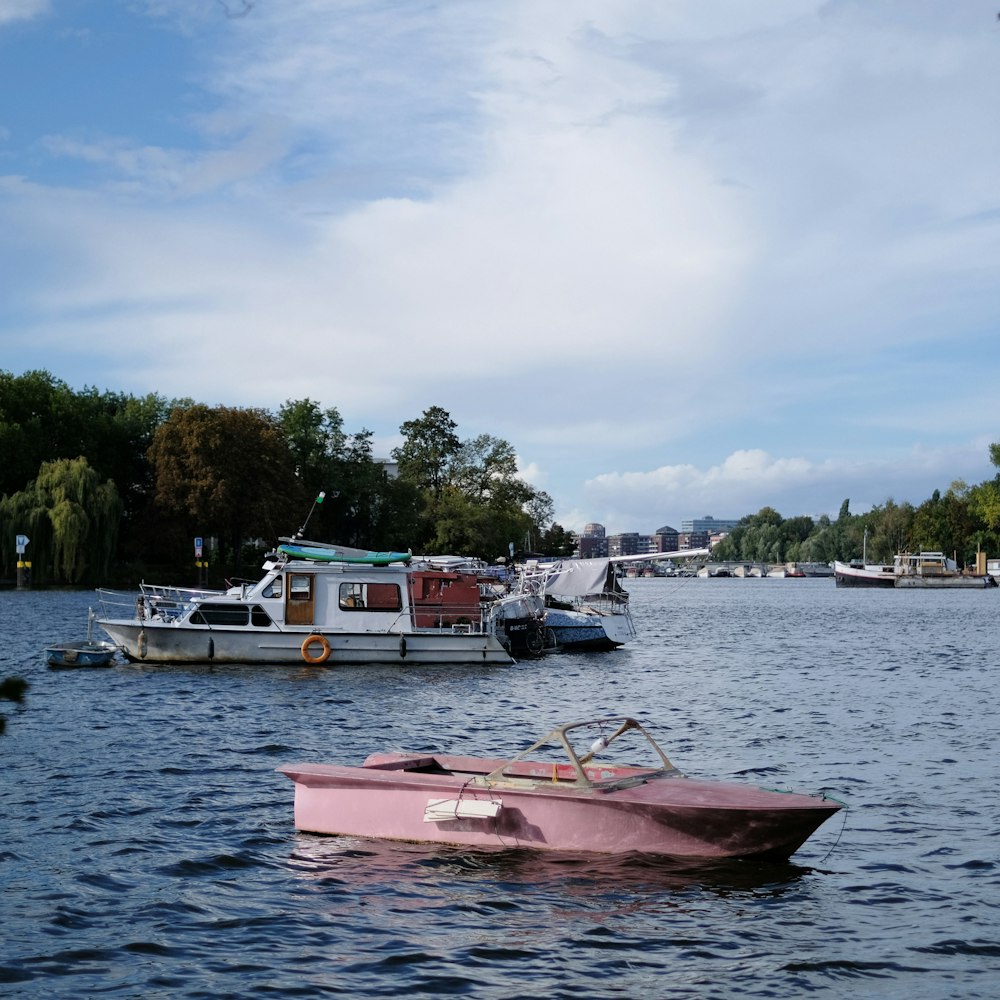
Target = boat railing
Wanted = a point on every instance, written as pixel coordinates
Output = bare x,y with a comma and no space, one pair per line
168,602
537,581
151,600
450,617
116,604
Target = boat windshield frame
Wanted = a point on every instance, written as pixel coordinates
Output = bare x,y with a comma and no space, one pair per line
619,774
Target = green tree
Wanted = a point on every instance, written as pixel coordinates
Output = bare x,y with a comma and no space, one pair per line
363,506
316,439
794,532
465,527
472,501
42,419
33,426
556,541
427,452
890,529
947,524
225,472
72,519
371,511
823,543
984,499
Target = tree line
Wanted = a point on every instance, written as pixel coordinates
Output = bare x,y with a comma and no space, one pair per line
110,487
961,522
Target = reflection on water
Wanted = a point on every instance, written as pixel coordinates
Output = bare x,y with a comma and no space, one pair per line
372,867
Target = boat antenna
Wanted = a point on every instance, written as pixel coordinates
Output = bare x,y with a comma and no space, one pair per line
320,497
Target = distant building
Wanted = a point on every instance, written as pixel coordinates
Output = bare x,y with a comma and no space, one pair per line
693,540
628,543
592,547
708,524
665,539
592,543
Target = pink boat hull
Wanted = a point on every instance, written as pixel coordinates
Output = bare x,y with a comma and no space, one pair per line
665,814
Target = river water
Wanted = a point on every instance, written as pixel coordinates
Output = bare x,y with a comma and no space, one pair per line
147,847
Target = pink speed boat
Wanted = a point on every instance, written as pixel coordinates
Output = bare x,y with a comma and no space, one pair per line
577,804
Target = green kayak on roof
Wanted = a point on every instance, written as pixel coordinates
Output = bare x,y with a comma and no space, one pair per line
324,553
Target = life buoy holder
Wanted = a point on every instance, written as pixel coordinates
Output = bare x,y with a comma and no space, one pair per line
324,648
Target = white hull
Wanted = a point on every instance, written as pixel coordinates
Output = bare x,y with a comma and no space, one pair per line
921,571
870,575
158,643
589,630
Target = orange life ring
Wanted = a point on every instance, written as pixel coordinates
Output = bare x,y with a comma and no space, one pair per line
307,644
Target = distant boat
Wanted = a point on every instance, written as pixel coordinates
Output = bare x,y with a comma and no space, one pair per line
920,570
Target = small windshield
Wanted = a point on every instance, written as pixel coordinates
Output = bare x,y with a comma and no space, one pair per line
578,751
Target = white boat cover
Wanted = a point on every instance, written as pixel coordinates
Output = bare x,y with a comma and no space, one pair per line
578,578
590,577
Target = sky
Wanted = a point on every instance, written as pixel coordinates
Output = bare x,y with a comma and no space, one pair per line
689,257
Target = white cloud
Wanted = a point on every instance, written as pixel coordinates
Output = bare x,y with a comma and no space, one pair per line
22,10
747,480
612,234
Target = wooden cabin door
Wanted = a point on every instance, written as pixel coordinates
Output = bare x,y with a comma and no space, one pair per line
300,599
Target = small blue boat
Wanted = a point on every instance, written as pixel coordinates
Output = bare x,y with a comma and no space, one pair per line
83,652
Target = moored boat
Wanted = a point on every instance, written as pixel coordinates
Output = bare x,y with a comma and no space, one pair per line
310,607
572,803
586,607
89,652
918,570
81,654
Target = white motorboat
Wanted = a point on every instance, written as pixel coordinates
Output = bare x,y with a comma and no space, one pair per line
320,604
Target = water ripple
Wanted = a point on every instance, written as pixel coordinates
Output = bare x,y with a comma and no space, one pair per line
148,848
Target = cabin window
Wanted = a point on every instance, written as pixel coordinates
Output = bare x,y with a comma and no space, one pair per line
370,597
273,589
221,614
299,587
259,618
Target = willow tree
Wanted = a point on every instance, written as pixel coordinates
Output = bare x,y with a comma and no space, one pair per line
71,518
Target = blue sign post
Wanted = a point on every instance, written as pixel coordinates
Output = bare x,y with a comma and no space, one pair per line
23,565
199,548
